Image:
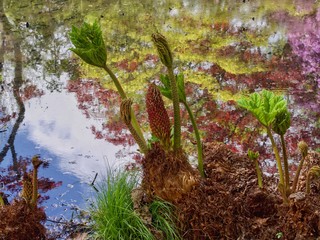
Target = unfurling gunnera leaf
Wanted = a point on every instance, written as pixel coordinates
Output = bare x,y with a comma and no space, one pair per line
88,44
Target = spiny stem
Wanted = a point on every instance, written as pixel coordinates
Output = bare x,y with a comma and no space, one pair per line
296,177
285,163
123,96
276,153
36,162
259,175
308,183
116,82
176,110
199,143
126,115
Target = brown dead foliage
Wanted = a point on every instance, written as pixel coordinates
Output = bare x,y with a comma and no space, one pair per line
21,222
167,175
229,205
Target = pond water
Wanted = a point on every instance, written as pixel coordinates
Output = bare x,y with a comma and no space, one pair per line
54,105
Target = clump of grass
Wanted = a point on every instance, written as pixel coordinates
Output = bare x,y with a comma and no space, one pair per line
114,216
163,219
113,213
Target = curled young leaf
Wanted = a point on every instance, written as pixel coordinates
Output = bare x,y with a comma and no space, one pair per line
163,49
281,122
303,147
89,44
253,155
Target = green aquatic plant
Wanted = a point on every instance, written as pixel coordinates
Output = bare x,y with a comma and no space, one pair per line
303,147
166,91
254,157
90,47
166,58
265,106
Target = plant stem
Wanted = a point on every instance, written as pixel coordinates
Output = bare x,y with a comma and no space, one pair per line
308,183
199,143
123,96
176,110
141,142
116,82
285,163
296,177
276,153
259,175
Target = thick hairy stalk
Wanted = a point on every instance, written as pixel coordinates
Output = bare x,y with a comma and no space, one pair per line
285,163
254,157
126,116
278,159
27,188
199,143
123,96
176,111
167,60
116,82
89,46
303,147
36,162
313,172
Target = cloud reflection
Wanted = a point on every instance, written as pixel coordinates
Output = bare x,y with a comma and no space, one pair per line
55,124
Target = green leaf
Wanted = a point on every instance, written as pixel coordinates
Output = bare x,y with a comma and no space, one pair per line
252,155
89,44
166,88
264,106
281,122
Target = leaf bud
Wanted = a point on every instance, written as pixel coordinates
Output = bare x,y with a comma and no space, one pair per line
303,147
163,49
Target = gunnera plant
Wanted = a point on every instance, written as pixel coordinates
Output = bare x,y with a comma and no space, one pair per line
115,217
272,112
90,47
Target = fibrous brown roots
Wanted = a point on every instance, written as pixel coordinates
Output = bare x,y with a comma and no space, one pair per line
228,204
168,175
20,222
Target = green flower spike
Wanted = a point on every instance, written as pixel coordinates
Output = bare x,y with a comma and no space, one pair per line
89,44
